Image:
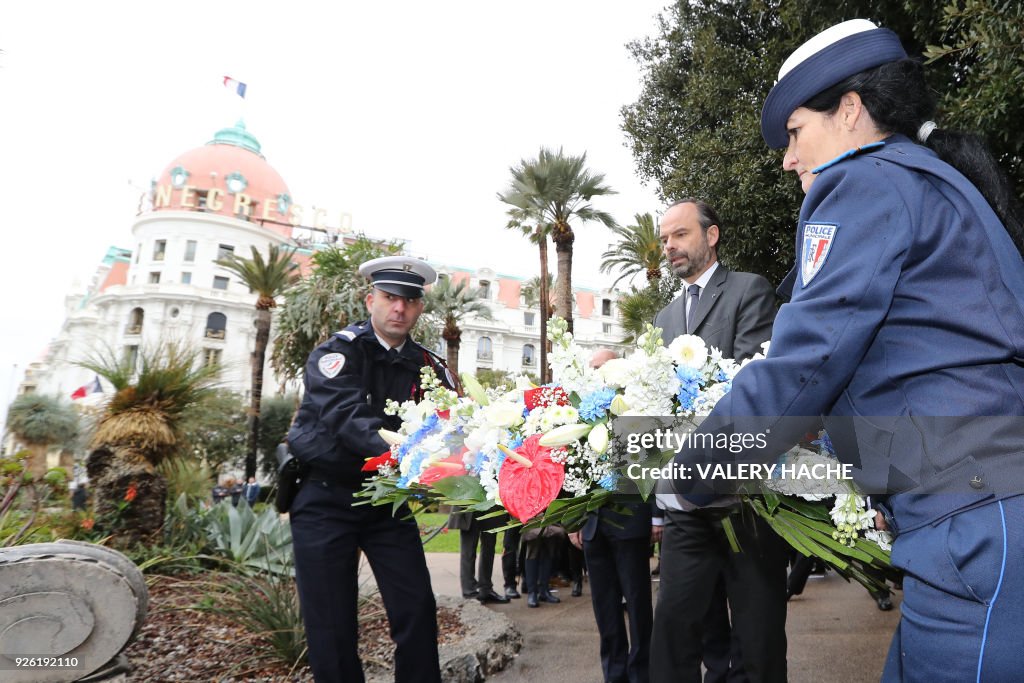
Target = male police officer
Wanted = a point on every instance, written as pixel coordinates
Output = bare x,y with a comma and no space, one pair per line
348,379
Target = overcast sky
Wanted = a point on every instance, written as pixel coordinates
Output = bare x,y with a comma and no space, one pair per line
405,114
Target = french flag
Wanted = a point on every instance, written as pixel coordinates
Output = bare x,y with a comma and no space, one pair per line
92,387
237,86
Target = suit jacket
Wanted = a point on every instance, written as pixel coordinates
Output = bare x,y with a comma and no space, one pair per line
734,314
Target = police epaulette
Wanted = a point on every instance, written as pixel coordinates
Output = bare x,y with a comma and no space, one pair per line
351,332
870,147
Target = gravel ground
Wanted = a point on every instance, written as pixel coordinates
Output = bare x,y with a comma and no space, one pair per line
180,643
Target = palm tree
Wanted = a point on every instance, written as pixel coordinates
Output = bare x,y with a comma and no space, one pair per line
638,250
449,305
534,291
551,191
40,421
268,279
139,429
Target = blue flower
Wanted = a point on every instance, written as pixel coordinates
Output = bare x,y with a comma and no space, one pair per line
609,482
689,386
825,443
594,406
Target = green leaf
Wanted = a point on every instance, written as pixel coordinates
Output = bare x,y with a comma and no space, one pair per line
463,488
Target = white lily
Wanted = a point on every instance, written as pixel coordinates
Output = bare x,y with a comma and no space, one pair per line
474,389
566,434
392,438
598,438
619,405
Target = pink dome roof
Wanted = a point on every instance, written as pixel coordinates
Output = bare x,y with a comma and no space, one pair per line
227,176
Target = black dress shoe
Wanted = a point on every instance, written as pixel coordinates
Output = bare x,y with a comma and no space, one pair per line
531,600
491,596
577,588
471,594
511,592
546,596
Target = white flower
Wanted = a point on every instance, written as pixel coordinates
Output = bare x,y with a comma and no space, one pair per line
616,372
619,405
598,438
566,434
882,538
688,351
390,437
523,383
503,414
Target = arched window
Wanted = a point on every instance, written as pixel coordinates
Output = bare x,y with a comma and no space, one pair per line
135,319
484,350
216,323
528,354
485,289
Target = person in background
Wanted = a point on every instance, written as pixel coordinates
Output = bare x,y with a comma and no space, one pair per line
704,585
252,491
617,551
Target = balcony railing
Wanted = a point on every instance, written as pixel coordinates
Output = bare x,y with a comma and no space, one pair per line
214,334
133,329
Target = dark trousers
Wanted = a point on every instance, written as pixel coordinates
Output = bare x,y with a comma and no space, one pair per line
695,555
963,594
478,532
620,568
327,532
510,568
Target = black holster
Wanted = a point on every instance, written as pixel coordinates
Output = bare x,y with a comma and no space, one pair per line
289,478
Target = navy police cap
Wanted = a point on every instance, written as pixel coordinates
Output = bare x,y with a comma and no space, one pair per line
399,275
826,59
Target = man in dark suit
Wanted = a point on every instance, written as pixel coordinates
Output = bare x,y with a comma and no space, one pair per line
617,548
473,530
702,580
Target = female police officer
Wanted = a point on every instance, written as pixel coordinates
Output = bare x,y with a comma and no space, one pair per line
905,329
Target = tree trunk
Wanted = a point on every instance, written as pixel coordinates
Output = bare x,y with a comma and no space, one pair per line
452,342
129,518
259,356
545,297
563,239
36,462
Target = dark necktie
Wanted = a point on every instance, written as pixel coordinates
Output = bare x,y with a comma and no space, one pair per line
691,313
392,356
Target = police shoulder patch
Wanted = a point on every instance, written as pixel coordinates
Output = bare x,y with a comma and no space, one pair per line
817,243
330,364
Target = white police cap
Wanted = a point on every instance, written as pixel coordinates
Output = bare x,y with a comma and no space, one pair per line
401,275
836,53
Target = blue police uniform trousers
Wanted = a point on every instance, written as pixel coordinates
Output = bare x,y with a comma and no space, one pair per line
327,531
963,598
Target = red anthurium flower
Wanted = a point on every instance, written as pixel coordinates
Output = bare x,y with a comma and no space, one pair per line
444,414
384,458
449,467
526,490
544,397
452,466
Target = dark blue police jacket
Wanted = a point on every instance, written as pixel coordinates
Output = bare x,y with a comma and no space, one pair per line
904,329
348,380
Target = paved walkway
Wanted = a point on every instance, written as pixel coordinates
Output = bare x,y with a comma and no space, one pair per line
835,631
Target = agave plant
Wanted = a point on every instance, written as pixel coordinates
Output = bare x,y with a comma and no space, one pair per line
137,431
256,542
